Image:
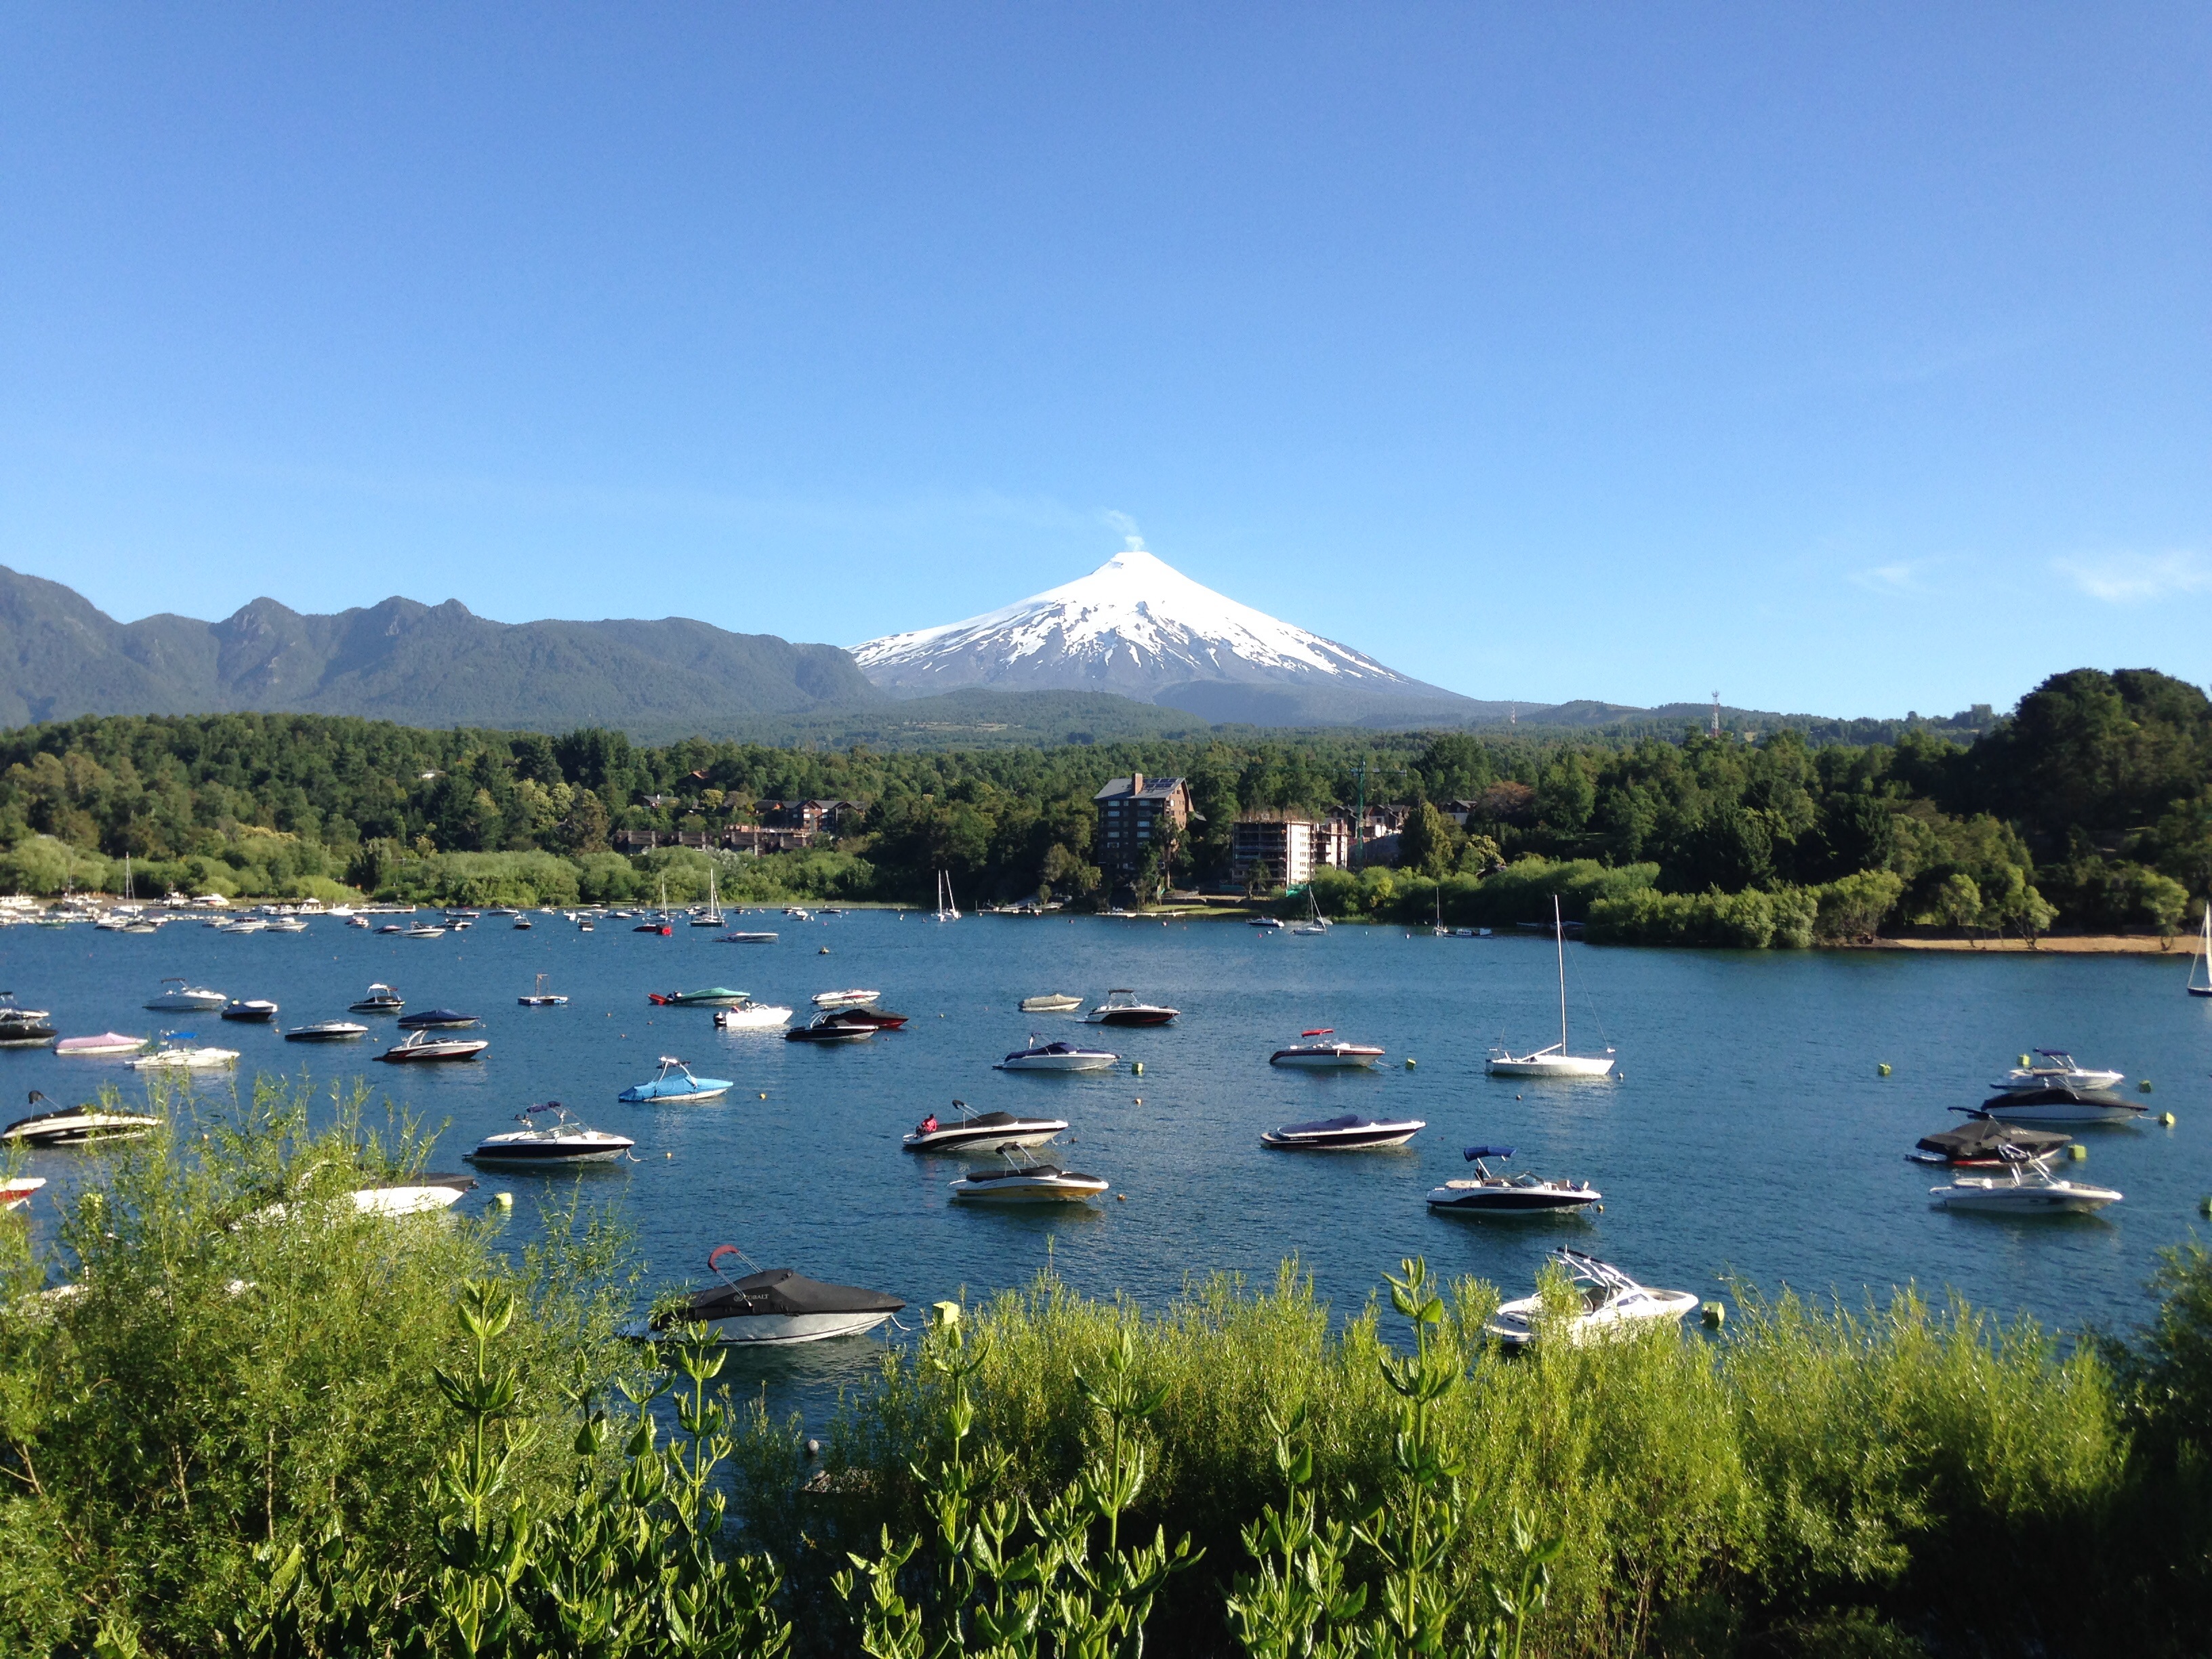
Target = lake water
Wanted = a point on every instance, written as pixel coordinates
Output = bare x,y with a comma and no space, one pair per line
1749,1134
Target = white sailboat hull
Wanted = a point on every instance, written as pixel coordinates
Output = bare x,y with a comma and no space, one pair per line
1549,1065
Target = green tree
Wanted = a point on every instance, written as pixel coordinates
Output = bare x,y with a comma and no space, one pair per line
1425,846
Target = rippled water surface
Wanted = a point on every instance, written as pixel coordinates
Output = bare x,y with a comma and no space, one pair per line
1750,1133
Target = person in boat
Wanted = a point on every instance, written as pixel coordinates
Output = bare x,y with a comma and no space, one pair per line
927,1126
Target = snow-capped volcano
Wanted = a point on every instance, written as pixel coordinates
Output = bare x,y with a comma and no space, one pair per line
1139,627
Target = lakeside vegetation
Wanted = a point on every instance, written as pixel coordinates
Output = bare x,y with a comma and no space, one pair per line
333,1434
2089,807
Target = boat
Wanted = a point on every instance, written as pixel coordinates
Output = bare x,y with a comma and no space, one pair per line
1056,1057
558,1141
2203,959
242,925
775,1307
437,1019
746,938
187,998
2058,1071
423,930
174,1056
16,1191
425,1194
946,910
391,928
327,1030
108,1043
1613,1304
1977,1144
1055,1004
23,1028
1520,1195
356,921
866,1014
75,1126
1320,1056
989,1132
523,924
711,915
251,1011
287,925
421,1048
844,998
379,999
542,997
1347,1134
585,925
675,1085
714,996
2061,1107
825,1028
1268,923
2026,1187
1316,923
1027,1183
750,1016
1554,1061
1130,1012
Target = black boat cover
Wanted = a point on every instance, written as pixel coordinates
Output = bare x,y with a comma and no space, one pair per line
778,1290
1322,1125
1983,1138
433,1017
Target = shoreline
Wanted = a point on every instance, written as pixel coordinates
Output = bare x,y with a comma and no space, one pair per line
2082,944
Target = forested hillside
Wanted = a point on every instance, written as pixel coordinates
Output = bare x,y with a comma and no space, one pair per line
2089,807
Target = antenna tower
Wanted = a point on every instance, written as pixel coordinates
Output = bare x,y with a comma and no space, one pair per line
1716,714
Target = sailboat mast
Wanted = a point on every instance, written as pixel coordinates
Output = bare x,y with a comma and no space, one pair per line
1559,943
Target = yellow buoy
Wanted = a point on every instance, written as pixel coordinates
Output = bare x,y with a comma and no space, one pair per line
2144,1085
2165,1120
1409,1065
1136,1068
2077,1151
945,1316
505,1201
1714,1312
1119,1198
1882,1070
1141,1100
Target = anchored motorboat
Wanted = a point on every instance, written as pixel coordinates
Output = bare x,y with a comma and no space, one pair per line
16,1191
1026,1183
712,996
866,1013
774,1306
1347,1134
2060,1107
750,1016
2026,1187
675,1085
23,1028
1129,1012
1554,1061
1056,1057
438,1019
108,1043
421,1194
251,1010
741,937
989,1132
187,998
541,998
1325,1056
1613,1304
555,1140
379,999
287,925
173,1055
75,1126
1054,1004
1518,1195
1267,924
2057,1070
1979,1145
421,1046
824,1028
844,998
327,1030
423,930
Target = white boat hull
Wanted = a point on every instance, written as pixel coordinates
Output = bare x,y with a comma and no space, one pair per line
1335,1059
1556,1066
777,1330
1023,1189
1994,1195
757,1017
1514,1327
1058,1062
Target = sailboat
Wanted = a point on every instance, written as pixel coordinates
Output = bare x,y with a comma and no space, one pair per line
1554,1061
2204,959
946,910
1315,922
713,916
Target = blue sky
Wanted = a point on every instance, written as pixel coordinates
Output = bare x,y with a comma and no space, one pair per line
1849,359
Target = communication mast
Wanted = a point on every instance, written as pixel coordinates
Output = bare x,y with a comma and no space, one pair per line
1716,714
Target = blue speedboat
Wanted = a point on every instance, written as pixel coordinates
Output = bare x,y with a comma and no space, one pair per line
675,1086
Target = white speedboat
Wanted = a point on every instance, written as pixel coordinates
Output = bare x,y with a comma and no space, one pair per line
844,998
75,1126
379,999
675,1085
556,1141
742,936
421,1194
1511,1196
243,925
750,1016
253,1010
1056,1057
776,1306
327,1030
1347,1134
989,1132
1325,1056
2056,1070
1055,1004
1266,924
2026,1187
1554,1061
287,925
1613,1304
187,998
1128,1011
1027,1183
2060,1107
108,1043
426,1048
16,1191
176,1055
423,930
